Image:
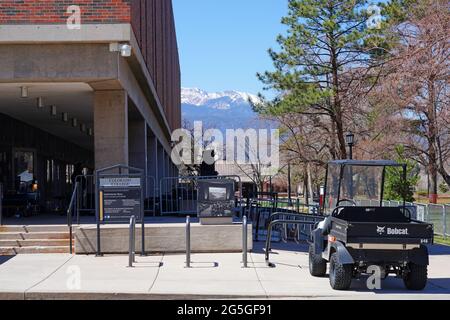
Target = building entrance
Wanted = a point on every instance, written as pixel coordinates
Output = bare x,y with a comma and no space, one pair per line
36,170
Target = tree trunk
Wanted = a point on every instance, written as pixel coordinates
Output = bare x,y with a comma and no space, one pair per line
310,189
337,107
444,174
305,184
432,143
340,134
433,185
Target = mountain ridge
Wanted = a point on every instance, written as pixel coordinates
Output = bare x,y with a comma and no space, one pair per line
223,110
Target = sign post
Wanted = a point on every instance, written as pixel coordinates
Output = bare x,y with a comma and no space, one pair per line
119,196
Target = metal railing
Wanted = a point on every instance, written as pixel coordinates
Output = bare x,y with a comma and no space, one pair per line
179,195
261,210
85,197
73,204
168,196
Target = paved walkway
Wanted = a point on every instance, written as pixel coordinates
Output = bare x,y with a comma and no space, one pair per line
63,276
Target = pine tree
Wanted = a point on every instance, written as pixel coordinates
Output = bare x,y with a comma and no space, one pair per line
326,55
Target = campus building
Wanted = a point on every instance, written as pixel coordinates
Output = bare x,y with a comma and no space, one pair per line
84,84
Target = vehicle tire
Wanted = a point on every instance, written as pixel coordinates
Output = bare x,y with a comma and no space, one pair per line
317,265
417,277
340,274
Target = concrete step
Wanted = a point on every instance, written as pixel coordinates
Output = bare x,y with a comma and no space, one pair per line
35,243
37,228
11,251
33,235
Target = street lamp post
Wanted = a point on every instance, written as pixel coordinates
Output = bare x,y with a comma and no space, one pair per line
289,185
350,141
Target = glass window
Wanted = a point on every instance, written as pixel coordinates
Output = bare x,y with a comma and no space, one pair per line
361,183
49,171
69,172
24,169
358,183
332,191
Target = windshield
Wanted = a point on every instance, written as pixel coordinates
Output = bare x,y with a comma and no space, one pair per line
360,184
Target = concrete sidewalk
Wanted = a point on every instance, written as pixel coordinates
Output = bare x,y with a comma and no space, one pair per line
220,276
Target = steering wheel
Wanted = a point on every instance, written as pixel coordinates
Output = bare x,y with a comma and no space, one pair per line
346,200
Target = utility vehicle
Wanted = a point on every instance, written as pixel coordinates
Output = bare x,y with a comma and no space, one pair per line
360,231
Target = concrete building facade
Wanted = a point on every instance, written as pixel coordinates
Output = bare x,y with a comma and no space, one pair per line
91,83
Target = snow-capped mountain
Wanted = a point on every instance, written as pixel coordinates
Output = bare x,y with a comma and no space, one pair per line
216,100
222,110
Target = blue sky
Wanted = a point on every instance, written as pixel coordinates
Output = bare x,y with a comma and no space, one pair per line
223,43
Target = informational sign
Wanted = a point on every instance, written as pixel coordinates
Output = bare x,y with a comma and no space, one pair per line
120,182
216,198
120,198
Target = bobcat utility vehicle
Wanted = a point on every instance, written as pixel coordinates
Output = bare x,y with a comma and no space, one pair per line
360,232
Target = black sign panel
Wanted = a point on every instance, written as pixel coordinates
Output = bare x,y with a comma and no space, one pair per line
216,198
121,204
120,198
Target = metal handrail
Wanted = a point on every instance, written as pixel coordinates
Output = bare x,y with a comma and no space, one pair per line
70,213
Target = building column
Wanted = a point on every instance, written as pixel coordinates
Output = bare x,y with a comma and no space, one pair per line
111,128
137,144
152,160
161,173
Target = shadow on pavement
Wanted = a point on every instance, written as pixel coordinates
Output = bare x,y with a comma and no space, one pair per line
204,265
4,259
394,285
301,247
439,250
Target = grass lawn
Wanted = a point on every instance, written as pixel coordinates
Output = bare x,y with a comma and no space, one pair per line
441,200
441,240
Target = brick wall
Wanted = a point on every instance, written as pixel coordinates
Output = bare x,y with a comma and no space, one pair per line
154,26
55,12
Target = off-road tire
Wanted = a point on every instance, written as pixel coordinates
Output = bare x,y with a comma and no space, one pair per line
317,265
417,277
340,274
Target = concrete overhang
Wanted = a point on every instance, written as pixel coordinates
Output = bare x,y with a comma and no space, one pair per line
55,54
57,63
75,99
94,33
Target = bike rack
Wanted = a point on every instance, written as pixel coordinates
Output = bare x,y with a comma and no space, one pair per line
188,242
275,222
132,243
244,242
